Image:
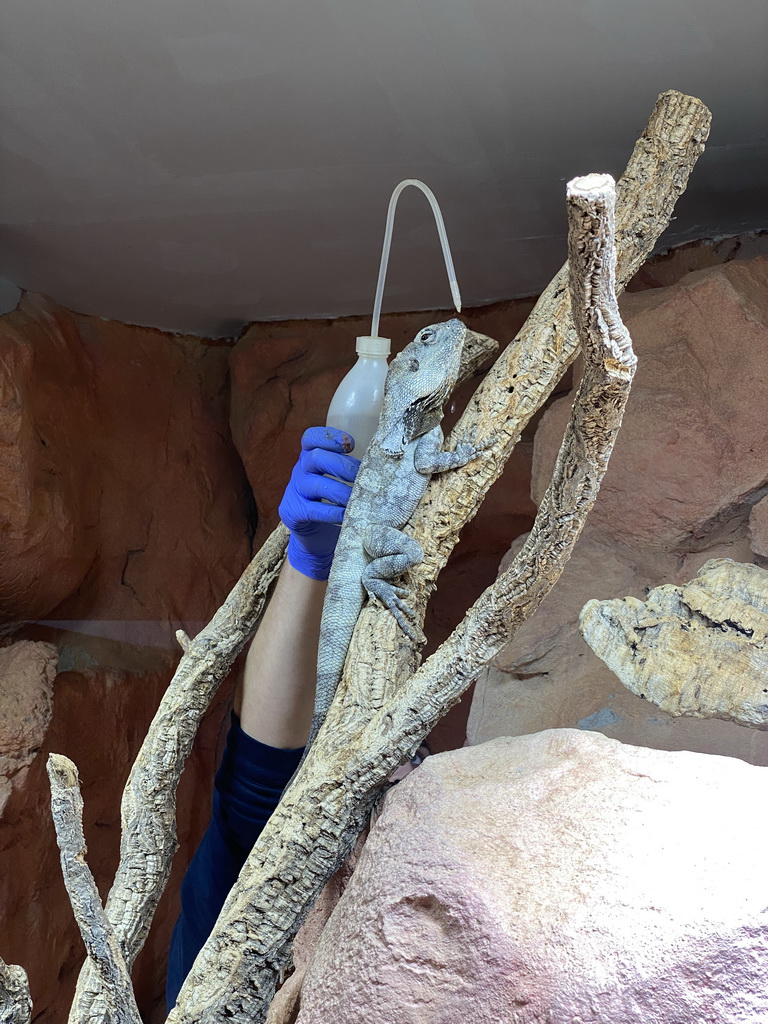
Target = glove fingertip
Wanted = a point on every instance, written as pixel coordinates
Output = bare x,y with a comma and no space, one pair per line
344,440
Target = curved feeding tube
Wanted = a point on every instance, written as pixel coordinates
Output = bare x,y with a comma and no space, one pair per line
456,295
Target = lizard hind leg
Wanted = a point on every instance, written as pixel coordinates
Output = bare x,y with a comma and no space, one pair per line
392,553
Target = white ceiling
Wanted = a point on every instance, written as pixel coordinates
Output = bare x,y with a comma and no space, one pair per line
195,164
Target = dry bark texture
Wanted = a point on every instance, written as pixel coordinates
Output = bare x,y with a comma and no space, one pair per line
700,650
100,942
15,1000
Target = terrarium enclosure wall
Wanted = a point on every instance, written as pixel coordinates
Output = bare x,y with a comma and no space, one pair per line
191,228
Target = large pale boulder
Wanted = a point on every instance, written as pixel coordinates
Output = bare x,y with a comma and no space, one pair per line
689,467
556,878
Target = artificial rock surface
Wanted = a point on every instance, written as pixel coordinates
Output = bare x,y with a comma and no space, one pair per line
27,671
555,878
689,471
758,531
124,514
48,489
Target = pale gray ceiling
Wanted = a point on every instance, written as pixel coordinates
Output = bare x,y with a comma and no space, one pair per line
195,164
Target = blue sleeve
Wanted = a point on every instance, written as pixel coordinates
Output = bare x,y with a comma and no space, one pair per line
247,789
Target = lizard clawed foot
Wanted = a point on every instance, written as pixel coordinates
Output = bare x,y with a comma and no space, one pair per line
388,595
468,448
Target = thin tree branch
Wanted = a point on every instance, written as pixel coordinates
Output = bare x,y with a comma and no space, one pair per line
15,1000
100,942
581,464
148,809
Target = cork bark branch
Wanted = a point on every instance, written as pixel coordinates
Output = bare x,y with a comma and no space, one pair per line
609,366
100,941
234,977
699,650
15,1000
148,809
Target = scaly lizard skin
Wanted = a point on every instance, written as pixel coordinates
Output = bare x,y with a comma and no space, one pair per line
406,450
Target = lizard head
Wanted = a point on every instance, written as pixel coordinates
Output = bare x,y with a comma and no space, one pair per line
419,380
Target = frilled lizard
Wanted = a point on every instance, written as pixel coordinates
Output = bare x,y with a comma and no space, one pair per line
406,450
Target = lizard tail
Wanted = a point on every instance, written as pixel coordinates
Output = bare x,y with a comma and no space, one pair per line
336,629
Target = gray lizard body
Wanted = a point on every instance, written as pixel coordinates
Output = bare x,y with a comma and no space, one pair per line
405,452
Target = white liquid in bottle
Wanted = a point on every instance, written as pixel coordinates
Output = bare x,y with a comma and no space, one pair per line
356,404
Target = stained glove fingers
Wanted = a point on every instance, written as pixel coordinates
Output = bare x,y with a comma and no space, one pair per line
328,438
318,460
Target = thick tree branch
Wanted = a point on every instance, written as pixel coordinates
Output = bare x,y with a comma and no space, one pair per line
234,977
519,383
15,1000
149,800
100,942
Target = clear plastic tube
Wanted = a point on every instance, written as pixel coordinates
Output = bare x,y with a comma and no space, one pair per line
455,294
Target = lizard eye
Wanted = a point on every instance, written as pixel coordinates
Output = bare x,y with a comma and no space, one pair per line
413,365
427,335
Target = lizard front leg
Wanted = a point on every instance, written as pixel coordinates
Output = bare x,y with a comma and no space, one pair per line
429,457
392,553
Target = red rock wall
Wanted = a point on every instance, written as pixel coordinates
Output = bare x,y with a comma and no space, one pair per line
126,456
124,513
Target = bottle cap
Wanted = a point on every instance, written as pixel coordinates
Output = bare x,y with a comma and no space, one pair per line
369,346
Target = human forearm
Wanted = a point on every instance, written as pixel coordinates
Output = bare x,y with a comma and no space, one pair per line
278,688
277,696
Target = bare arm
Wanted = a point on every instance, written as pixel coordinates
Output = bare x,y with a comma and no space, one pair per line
276,697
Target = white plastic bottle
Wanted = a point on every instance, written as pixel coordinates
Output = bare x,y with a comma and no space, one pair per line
356,404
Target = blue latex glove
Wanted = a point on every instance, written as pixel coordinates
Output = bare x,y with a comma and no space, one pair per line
314,525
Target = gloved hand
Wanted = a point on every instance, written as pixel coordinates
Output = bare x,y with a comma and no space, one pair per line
314,525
